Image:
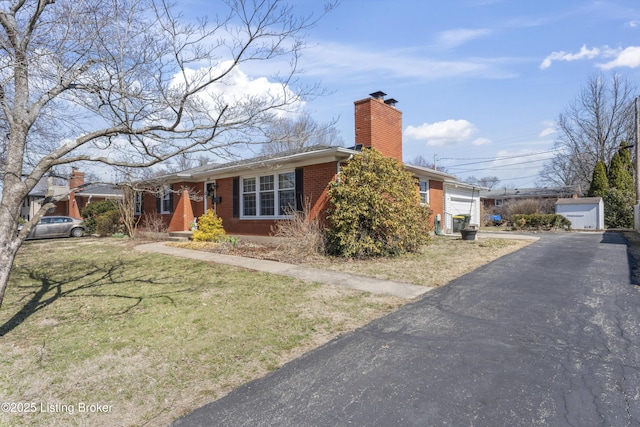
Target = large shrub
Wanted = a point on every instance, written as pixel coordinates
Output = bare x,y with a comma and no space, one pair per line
618,208
375,209
209,228
93,210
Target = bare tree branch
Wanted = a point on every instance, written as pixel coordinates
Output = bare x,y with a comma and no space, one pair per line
129,83
591,129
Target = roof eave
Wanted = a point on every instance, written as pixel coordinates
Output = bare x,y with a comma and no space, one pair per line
331,154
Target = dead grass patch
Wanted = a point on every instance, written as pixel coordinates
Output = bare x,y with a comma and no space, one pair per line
437,263
153,337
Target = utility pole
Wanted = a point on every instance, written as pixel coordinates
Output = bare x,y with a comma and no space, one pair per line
636,208
637,151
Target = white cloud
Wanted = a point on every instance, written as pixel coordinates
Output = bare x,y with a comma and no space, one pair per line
584,53
460,36
340,61
481,141
549,128
443,133
629,57
237,88
633,24
547,132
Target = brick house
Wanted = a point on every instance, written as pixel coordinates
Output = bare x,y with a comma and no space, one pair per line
251,195
495,199
72,197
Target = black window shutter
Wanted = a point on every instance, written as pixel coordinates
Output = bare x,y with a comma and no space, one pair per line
171,198
236,197
299,189
159,202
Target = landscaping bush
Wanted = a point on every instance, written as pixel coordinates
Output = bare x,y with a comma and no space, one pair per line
618,208
303,234
209,228
375,209
540,221
92,211
107,223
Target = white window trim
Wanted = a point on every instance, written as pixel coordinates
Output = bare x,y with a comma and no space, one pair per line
426,181
276,192
166,196
137,203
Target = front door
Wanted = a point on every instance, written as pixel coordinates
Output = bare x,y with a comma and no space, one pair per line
209,200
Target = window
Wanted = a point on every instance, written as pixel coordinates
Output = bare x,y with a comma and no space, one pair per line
424,191
249,197
287,192
268,195
165,202
498,202
137,203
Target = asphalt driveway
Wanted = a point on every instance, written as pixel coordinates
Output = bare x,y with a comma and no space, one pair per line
546,336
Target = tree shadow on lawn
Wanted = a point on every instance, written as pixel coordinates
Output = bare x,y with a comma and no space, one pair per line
74,284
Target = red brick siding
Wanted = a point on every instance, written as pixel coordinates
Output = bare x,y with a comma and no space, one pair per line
436,199
379,126
62,208
316,179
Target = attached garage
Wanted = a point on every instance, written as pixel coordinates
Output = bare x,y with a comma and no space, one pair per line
460,200
585,213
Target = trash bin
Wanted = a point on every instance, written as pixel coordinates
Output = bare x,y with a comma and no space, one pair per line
460,222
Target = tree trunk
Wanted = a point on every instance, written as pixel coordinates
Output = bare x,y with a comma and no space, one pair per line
8,250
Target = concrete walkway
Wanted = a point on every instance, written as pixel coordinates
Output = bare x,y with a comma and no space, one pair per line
309,274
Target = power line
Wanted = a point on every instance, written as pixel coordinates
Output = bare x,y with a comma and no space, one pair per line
494,159
498,167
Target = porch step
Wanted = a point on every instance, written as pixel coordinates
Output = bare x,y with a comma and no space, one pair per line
180,236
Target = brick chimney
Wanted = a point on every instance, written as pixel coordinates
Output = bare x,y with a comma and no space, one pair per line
379,125
75,180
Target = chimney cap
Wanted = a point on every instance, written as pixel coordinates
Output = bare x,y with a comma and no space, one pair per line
378,95
392,102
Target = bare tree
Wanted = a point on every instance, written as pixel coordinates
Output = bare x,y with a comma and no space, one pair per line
486,181
286,134
591,129
184,161
419,160
130,83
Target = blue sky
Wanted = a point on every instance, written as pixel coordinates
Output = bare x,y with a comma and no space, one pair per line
476,80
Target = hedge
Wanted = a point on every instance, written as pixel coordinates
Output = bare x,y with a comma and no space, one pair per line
540,221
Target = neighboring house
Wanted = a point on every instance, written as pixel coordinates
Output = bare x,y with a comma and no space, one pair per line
497,197
73,198
585,213
251,195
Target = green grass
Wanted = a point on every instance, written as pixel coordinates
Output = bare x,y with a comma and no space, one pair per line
151,336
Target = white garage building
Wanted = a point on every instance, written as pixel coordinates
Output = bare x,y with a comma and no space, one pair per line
460,199
586,213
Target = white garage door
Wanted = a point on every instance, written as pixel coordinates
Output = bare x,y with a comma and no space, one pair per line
460,202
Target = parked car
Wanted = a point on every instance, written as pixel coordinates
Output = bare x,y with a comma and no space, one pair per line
57,226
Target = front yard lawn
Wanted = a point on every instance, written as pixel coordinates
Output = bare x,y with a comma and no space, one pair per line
152,337
146,337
